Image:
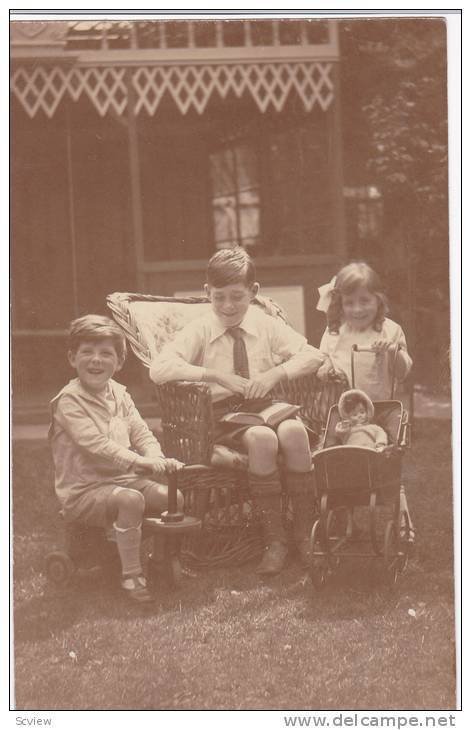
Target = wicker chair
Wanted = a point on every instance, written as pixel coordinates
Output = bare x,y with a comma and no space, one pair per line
218,496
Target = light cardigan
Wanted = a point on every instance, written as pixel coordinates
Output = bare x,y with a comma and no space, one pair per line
95,440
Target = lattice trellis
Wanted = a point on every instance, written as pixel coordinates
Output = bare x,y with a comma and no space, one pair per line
189,86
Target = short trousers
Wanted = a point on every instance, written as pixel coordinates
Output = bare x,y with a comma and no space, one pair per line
227,434
92,507
230,435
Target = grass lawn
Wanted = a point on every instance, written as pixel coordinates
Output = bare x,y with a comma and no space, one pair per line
227,640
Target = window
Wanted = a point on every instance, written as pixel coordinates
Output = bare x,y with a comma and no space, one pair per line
235,196
367,210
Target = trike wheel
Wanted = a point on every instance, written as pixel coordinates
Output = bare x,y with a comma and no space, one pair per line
59,568
173,571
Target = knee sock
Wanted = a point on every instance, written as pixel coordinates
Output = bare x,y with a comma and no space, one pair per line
266,494
128,540
301,489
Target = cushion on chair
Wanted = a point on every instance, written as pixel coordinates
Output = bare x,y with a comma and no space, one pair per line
158,322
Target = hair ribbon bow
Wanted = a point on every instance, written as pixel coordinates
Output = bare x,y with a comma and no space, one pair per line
325,295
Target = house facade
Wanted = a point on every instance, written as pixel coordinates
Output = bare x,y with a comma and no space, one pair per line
138,148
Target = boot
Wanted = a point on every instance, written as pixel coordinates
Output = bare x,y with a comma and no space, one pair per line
266,491
301,490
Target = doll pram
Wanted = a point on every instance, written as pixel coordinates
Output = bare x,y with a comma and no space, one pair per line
353,479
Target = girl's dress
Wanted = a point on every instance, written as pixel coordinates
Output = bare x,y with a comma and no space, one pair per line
373,373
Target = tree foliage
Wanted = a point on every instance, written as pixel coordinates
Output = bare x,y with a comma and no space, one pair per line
394,104
396,72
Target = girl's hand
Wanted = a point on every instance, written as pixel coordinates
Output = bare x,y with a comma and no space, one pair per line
379,347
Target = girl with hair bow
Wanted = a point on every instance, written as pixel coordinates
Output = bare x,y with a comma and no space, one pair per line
356,306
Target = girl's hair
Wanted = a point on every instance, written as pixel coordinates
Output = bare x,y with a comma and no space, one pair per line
347,280
96,327
230,266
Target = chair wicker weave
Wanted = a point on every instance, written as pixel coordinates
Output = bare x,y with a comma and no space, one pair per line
220,497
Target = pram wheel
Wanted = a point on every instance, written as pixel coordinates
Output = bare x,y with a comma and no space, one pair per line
319,567
395,556
319,572
59,568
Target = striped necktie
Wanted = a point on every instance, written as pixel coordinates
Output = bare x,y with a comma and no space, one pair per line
241,362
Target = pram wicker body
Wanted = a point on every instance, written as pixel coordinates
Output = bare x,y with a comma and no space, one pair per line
218,496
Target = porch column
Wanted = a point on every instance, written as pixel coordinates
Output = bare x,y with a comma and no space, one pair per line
136,194
336,165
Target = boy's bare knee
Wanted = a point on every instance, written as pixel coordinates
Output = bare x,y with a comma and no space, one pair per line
130,500
292,432
261,439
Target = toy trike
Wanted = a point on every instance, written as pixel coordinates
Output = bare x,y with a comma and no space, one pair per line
89,547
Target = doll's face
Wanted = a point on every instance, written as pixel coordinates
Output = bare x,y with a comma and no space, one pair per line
358,415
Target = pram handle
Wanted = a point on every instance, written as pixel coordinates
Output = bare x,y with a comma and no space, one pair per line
360,348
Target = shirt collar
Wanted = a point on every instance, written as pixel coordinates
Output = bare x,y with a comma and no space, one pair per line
248,324
76,388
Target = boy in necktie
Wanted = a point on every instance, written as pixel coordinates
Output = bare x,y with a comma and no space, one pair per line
242,353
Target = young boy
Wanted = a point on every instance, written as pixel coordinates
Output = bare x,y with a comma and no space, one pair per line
243,353
101,447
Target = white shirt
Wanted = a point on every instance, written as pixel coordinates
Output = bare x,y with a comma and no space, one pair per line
204,343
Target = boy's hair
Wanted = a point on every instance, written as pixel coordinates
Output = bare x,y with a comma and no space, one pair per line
356,274
230,266
96,327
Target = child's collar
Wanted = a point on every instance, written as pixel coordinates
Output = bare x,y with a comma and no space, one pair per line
75,387
247,324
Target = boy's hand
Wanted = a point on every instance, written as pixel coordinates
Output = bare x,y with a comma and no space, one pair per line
262,384
232,382
157,465
325,371
173,465
154,465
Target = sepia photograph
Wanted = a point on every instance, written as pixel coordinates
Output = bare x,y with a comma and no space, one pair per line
230,287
